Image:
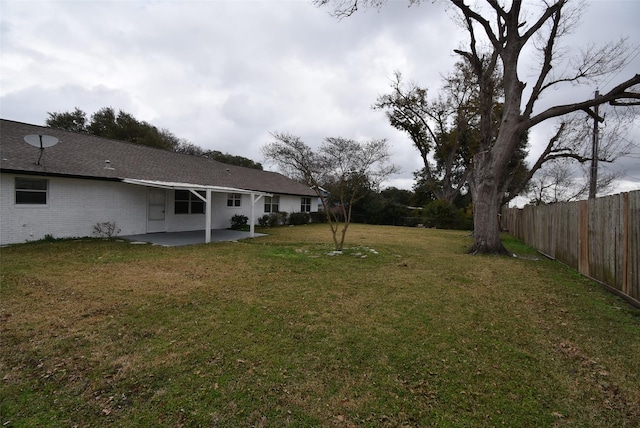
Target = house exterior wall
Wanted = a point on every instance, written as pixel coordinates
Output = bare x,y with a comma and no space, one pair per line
292,204
220,213
181,222
73,207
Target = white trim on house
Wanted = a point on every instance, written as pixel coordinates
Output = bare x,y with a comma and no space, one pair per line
191,186
194,188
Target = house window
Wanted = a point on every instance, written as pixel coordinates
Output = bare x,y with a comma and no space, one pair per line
31,191
234,199
188,203
271,204
305,205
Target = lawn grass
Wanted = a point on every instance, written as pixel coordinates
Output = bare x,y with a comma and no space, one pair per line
403,329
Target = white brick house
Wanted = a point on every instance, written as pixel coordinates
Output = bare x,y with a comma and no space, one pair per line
84,180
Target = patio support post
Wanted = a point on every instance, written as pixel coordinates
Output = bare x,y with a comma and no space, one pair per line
252,225
207,210
254,198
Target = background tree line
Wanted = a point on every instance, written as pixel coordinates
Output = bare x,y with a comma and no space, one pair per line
108,123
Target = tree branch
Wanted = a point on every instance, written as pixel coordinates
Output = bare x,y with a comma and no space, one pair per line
551,10
470,14
617,93
546,66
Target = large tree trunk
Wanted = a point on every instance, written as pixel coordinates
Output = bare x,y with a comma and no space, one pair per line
486,207
490,165
486,231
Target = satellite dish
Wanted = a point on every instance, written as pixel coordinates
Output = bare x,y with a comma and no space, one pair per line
40,141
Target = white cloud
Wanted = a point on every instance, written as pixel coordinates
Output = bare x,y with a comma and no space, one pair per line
224,74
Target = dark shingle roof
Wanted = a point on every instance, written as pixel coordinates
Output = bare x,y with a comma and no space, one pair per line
81,155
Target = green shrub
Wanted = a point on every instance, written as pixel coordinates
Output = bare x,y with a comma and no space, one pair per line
442,215
296,219
239,221
283,218
264,220
318,217
273,219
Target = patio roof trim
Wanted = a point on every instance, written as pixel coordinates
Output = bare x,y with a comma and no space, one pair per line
191,186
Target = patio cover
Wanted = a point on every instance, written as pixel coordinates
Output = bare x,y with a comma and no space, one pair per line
194,188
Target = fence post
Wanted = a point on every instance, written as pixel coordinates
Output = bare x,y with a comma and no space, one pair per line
583,237
626,244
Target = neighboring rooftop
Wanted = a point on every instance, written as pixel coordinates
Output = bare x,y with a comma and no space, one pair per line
86,156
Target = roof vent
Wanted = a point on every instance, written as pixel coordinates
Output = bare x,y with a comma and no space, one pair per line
107,164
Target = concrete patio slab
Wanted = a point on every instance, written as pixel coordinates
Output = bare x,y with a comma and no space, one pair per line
193,237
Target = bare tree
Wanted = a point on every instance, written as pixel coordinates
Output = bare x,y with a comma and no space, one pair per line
550,184
498,34
569,155
559,181
343,167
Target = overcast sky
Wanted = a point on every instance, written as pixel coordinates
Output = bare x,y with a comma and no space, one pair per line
225,74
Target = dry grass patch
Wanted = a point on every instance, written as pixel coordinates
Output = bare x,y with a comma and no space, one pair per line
403,329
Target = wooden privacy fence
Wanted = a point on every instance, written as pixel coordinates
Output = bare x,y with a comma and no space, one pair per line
600,237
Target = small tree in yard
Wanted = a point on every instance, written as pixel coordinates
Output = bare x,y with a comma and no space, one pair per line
343,167
500,35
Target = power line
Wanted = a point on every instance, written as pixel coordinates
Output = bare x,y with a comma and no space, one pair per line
635,52
631,176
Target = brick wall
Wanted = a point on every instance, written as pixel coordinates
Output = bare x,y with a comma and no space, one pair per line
73,207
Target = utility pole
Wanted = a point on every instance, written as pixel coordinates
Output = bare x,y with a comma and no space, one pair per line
594,152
